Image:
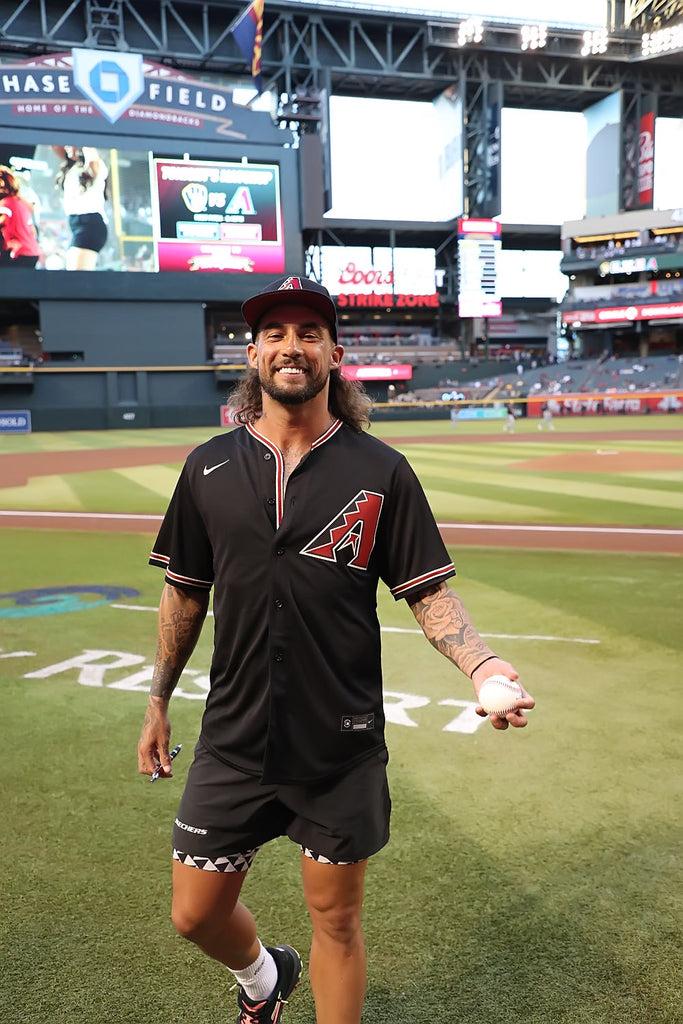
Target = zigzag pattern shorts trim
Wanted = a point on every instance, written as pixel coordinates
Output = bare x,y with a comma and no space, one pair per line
231,862
242,861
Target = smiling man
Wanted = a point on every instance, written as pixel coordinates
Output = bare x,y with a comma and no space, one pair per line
292,519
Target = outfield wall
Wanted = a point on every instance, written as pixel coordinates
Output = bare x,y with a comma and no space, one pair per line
109,397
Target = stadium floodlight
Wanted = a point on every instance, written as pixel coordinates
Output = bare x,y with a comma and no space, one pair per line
663,40
470,31
594,42
534,37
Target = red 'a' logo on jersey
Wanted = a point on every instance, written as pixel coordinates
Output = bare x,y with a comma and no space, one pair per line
352,531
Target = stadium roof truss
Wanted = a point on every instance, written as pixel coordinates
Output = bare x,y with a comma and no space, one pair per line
309,52
374,53
656,13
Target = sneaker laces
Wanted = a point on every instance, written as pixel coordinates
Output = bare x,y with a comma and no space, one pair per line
250,1014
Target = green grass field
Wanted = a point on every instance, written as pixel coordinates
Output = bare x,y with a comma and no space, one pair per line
464,481
532,877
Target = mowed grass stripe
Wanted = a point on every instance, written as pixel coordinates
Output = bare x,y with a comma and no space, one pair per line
586,487
671,482
159,479
663,477
473,506
105,439
44,492
503,453
113,491
537,506
510,454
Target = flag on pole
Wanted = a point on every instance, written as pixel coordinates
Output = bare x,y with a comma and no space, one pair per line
248,33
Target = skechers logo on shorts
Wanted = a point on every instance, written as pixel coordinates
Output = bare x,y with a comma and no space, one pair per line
191,828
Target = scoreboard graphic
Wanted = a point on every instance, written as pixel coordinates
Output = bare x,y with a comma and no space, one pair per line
479,242
217,216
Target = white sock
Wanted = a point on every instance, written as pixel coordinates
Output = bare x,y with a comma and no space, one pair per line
260,978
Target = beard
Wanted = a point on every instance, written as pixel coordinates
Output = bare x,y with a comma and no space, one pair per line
290,396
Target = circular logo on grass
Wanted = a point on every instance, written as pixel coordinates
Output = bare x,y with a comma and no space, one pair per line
20,604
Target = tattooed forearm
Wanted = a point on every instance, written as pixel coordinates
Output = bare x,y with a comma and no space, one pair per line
181,616
447,625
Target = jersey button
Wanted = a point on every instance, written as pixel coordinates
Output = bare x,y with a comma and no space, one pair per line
267,456
279,604
271,501
280,551
279,656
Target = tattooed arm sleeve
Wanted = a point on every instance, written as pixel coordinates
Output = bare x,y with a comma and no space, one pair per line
447,625
181,617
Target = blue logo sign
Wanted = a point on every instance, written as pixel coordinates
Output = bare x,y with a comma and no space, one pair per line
109,81
58,600
112,83
15,421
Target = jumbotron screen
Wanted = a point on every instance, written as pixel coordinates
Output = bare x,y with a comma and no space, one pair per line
160,215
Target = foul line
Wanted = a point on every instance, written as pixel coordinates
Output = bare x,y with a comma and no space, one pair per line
82,515
418,632
497,527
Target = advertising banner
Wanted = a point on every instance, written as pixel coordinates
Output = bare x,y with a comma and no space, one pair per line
15,421
399,371
623,314
602,404
646,161
362,270
638,159
85,90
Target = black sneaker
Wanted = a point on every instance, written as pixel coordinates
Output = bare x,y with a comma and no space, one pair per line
269,1011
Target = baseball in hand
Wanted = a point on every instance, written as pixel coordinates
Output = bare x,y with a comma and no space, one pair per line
497,695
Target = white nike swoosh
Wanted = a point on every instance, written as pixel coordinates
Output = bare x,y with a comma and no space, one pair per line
210,469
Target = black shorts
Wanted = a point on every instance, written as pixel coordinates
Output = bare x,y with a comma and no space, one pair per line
225,816
88,231
7,260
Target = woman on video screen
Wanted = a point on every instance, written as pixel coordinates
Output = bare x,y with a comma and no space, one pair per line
83,178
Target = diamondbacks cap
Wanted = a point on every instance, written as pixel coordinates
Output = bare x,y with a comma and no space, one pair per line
297,291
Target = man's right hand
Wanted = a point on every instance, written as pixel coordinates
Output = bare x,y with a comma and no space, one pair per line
154,743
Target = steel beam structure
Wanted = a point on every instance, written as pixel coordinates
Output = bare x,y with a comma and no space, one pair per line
309,52
365,54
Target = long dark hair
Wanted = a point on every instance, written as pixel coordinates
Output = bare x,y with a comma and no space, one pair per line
9,185
348,400
85,178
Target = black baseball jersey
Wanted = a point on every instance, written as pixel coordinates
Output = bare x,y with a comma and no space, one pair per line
296,677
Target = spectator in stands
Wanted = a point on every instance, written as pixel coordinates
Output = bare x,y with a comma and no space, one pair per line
84,180
19,239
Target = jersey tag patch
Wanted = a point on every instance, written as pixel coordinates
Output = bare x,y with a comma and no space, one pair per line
357,723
